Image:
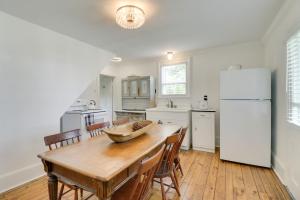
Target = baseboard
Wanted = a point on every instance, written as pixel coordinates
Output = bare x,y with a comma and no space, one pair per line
204,149
284,184
278,175
21,176
280,170
185,148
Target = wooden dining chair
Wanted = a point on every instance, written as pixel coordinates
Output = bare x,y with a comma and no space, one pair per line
139,187
166,168
96,129
182,134
57,141
121,121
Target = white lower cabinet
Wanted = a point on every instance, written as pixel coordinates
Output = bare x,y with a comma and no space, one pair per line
203,131
181,118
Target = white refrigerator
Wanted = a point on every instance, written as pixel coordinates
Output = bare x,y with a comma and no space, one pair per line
245,116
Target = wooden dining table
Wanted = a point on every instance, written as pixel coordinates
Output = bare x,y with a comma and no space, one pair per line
98,164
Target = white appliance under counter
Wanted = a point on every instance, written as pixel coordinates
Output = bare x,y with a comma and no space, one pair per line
178,116
133,115
76,120
203,130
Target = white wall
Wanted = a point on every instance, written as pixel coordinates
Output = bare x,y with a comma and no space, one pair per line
92,92
41,73
285,136
205,67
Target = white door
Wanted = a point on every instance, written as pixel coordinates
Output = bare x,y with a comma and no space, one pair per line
245,84
245,131
203,131
106,95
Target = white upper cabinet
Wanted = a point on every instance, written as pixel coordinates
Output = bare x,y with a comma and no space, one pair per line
125,88
144,89
138,87
133,88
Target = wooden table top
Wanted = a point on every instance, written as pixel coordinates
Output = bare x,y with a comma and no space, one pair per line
102,159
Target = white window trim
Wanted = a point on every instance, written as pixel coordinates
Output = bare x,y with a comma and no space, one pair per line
291,122
188,77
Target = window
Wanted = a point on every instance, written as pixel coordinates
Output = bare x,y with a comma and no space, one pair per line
173,79
293,79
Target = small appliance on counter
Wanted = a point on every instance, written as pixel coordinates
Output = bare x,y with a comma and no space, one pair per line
92,104
79,105
202,104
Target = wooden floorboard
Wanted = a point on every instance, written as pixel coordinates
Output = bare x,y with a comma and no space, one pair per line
205,177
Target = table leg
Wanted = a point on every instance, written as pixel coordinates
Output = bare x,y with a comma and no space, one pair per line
52,187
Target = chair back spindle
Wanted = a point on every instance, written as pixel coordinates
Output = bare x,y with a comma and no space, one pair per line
121,121
182,134
61,139
170,152
166,167
142,186
96,129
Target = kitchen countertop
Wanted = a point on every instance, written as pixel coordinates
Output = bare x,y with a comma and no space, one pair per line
165,109
203,110
132,111
82,112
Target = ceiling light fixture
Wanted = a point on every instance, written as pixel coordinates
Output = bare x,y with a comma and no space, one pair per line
170,55
116,59
130,17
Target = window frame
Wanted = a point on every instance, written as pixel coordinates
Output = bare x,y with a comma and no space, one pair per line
288,100
188,81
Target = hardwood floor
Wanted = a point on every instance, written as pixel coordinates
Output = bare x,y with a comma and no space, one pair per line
205,177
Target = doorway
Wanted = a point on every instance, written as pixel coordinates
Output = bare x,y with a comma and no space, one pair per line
106,95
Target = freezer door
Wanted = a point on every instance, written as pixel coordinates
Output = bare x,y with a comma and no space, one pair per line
245,131
245,84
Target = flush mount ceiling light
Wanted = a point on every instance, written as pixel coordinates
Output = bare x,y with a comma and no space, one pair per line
130,17
170,55
116,59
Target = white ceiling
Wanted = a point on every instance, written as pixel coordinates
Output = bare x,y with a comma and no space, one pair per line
177,25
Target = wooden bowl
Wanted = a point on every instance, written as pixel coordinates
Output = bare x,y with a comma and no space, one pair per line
125,133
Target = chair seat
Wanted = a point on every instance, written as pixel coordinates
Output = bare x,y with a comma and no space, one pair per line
124,192
163,170
67,183
139,187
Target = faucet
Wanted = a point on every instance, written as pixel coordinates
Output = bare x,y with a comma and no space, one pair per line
92,102
170,103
